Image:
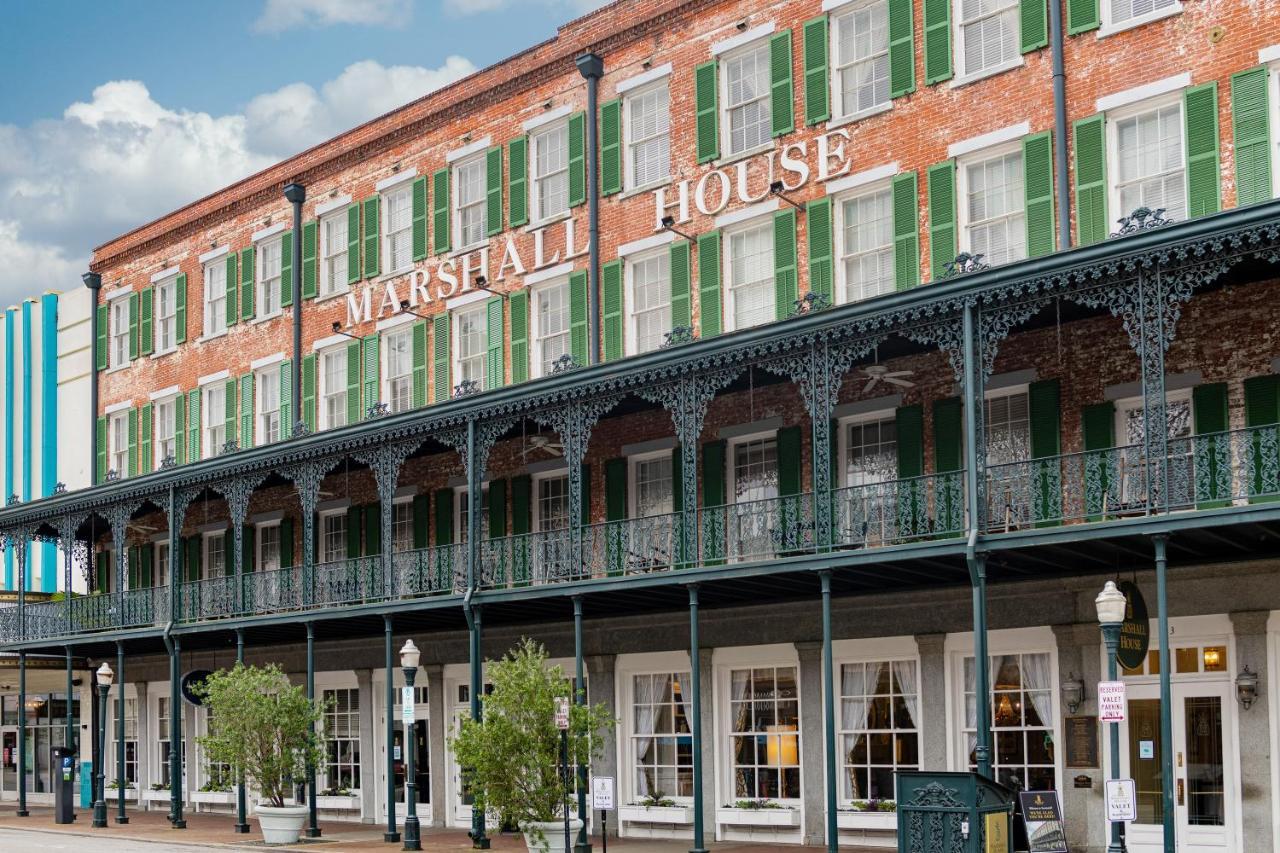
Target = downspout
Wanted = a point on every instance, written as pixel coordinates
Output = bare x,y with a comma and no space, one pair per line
1056,38
93,281
296,194
592,68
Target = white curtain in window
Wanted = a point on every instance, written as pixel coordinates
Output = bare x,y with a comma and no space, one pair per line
1036,683
741,681
905,673
686,700
644,723
856,680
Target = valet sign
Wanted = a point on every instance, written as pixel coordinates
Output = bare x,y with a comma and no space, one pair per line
1111,701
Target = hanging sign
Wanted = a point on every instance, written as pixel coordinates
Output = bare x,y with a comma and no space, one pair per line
1111,701
1042,815
1122,800
194,678
1135,631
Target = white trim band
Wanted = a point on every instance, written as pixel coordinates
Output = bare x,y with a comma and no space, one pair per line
214,377
116,408
396,179
467,150
861,179
325,343
163,274
650,76
987,140
548,274
171,391
646,243
270,231
266,361
335,203
465,299
546,118
724,220
1269,54
214,254
1143,92
395,321
740,39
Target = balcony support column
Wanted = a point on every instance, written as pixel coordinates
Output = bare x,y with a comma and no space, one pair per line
306,477
22,726
175,732
18,543
313,824
391,835
179,500
1161,544
238,491
118,516
386,461
583,844
121,783
68,548
695,708
1153,341
70,739
829,716
242,818
479,840
975,476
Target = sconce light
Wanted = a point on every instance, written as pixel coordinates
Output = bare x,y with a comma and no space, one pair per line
482,282
337,330
1072,692
1247,687
405,309
669,224
777,188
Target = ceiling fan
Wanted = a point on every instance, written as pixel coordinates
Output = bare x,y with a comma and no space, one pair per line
876,373
542,442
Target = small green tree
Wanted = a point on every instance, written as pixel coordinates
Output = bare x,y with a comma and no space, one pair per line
512,756
265,728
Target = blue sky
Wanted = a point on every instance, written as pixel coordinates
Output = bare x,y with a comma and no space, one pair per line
116,111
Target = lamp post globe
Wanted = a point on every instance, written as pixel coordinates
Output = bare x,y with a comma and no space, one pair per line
1112,605
409,658
104,676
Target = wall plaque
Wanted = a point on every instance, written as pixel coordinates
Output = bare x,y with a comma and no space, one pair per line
1082,741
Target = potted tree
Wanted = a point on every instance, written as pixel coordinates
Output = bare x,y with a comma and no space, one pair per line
512,756
266,732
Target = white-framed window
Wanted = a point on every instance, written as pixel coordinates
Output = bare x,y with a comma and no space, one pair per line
1119,14
866,245
551,503
215,554
401,525
993,221
130,741
215,297
469,200
267,385
216,775
333,536
652,480
870,449
753,469
749,258
1022,719
661,740
1179,422
333,387
166,316
549,171
166,437
213,410
988,35
462,506
764,732
397,369
342,739
160,570
860,47
470,345
879,726
397,228
1146,164
333,253
550,325
118,441
647,135
268,546
269,255
746,115
162,743
119,318
649,301
1007,422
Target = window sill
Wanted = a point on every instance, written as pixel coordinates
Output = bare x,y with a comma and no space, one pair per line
852,117
465,250
743,155
395,273
119,367
966,79
206,338
1110,29
162,353
265,317
643,188
329,297
543,223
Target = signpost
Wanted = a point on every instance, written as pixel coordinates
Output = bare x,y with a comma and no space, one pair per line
1111,701
562,723
602,801
1122,801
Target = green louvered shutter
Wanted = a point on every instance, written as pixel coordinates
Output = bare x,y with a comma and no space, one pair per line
100,451
421,521
1045,417
521,525
615,511
577,159
246,410
677,480
1097,426
709,283
681,309
353,243
942,217
1083,15
706,105
248,270
948,459
193,424
1034,23
146,329
785,286
192,560
440,355
100,346
495,371
286,543
1212,480
909,425
233,289
1200,109
309,391
611,147
286,269
134,317
444,517
248,553
310,250
782,95
1250,120
372,207
519,335
713,495
372,529
354,515
355,374
371,351
790,464
440,211
611,285
232,412
132,421
517,182
1037,165
497,501
286,399
937,41
578,326
180,428
821,258
817,87
902,48
1091,180
906,232
493,190
146,428
419,364
420,218
1261,414
180,309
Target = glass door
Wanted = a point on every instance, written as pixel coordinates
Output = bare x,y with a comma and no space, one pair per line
9,761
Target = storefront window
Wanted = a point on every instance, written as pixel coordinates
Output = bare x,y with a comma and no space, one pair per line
662,743
342,739
765,733
1021,716
879,710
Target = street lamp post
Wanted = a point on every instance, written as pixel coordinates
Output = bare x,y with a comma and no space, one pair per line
1111,605
104,677
409,656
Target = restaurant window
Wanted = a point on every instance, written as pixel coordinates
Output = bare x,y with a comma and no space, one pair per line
879,714
662,742
1022,719
342,740
764,737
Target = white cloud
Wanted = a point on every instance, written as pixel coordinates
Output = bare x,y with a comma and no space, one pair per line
280,15
480,7
121,159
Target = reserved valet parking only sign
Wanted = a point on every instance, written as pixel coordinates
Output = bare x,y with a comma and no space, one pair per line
1042,816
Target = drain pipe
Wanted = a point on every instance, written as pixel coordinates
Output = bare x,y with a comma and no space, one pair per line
93,281
591,67
1056,37
296,194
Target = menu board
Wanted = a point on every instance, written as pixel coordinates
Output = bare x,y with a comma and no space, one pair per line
1042,815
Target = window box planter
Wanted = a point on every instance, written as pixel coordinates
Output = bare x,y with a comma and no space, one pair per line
867,820
758,817
673,815
338,803
219,798
113,794
156,796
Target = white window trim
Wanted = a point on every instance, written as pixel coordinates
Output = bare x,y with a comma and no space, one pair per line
726,287
963,76
206,315
633,462
842,444
1129,404
213,255
455,340
259,375
880,180
384,361
626,669
836,92
322,515
551,116
156,403
321,388
644,244
384,236
546,127
962,185
460,520
170,277
743,39
455,198
465,152
1273,104
535,330
731,470
630,334
207,389
976,144
257,542
749,42
322,243
1145,92
396,180
206,537
747,214
171,272
117,298
1109,27
210,378
661,81
535,480
1112,142
340,202
259,258
631,84
269,232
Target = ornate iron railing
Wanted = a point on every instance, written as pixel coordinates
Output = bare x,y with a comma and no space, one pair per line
757,530
633,546
208,598
898,511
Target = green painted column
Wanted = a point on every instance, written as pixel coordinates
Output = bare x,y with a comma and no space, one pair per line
242,819
695,708
121,817
829,715
175,734
22,727
313,823
1166,694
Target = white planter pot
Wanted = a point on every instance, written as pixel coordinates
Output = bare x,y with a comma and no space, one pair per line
338,803
281,825
113,794
220,798
155,796
758,817
675,815
867,820
552,836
